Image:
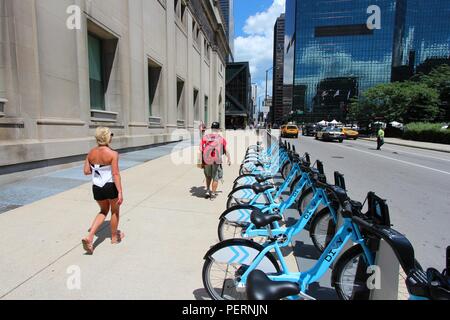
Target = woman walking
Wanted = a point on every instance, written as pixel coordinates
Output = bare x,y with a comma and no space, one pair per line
103,164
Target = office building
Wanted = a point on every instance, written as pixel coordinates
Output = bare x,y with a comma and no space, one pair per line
227,8
277,112
238,101
335,50
144,68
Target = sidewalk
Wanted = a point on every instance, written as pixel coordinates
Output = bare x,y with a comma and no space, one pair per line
414,144
169,226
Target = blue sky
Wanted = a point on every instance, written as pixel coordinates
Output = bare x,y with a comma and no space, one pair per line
254,22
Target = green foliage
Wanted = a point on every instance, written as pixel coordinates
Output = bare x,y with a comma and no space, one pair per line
427,132
439,79
399,101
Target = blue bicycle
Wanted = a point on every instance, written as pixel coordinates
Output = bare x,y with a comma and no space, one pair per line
422,285
244,194
232,261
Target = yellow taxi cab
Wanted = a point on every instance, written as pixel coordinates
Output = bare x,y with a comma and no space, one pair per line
350,133
289,131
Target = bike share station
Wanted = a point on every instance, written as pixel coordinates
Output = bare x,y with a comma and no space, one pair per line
283,205
387,286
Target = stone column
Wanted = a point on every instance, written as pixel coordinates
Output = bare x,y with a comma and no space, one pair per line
170,110
138,91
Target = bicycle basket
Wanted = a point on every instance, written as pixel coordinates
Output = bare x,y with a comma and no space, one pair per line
378,210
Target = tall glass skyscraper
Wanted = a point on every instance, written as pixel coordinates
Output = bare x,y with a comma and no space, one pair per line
227,7
334,49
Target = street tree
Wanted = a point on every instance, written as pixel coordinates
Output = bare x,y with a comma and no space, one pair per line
399,101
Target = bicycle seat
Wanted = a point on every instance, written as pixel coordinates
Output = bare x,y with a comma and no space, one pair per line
260,287
259,188
260,219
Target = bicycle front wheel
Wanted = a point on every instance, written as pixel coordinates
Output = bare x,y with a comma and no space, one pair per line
350,276
322,229
286,169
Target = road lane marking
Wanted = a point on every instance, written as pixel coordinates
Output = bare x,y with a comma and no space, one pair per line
402,161
401,151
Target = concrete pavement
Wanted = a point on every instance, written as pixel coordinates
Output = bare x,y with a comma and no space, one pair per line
169,226
26,187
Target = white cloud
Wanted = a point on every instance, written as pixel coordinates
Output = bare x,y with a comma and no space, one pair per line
257,44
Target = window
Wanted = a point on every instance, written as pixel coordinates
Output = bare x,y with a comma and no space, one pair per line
101,52
154,76
196,33
196,105
96,84
180,10
206,110
342,30
180,98
207,50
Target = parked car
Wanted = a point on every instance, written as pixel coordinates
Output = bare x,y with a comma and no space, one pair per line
350,133
309,129
289,131
330,134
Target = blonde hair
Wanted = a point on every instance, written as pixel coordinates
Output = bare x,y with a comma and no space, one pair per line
103,136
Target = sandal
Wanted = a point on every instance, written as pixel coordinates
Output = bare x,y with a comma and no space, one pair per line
119,236
88,246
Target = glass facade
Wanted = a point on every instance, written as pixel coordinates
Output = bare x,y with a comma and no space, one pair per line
331,55
426,36
238,100
227,8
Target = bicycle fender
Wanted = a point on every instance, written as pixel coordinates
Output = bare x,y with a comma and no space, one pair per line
242,251
246,180
240,213
242,192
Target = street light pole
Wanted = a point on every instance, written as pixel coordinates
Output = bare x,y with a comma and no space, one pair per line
267,72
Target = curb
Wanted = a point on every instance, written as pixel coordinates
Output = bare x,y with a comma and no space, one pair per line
408,145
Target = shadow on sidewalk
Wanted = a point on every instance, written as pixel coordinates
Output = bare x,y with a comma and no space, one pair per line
198,192
201,294
103,232
307,251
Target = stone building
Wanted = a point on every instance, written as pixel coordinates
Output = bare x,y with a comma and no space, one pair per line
144,68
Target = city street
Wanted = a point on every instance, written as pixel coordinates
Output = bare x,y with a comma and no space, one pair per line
416,184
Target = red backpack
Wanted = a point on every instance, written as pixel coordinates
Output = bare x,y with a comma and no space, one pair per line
213,149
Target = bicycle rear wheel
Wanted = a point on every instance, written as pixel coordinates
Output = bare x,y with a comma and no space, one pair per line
230,229
235,230
221,274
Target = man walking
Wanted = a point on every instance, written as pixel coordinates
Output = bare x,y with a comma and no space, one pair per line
213,147
380,138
